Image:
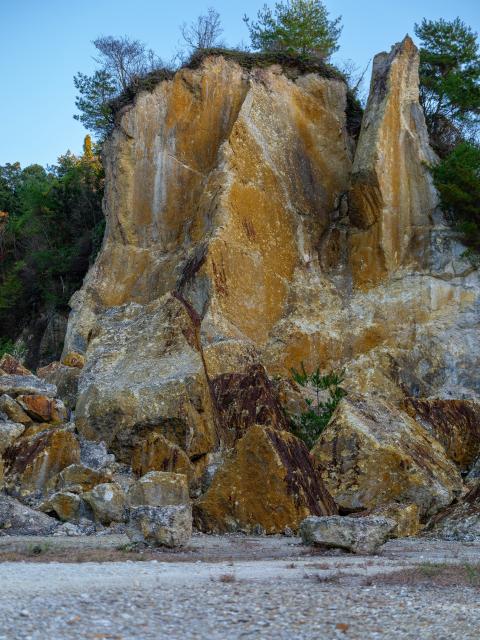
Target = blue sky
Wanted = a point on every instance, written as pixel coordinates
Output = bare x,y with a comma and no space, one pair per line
43,43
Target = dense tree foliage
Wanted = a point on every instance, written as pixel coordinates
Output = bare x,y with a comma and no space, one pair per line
449,81
457,178
52,227
295,26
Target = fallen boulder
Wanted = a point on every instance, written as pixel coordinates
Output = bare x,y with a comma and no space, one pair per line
461,521
160,526
65,379
372,453
159,489
65,505
107,502
13,410
14,385
156,453
18,519
33,460
360,535
78,478
269,481
42,408
9,432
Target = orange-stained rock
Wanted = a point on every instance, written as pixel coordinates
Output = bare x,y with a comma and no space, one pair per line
270,481
12,366
13,410
77,478
42,408
156,453
373,454
391,199
32,461
73,359
65,505
454,423
406,516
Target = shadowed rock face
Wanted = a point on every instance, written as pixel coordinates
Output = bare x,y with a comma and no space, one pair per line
241,232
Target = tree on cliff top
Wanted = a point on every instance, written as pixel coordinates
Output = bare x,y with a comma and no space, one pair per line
204,32
449,81
122,61
296,26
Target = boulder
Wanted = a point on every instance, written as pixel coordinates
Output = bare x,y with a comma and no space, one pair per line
19,520
13,410
77,478
107,502
73,359
14,385
65,505
270,480
360,535
9,432
156,453
159,489
406,517
147,377
160,526
32,461
461,521
12,366
42,408
454,423
65,379
372,453
95,454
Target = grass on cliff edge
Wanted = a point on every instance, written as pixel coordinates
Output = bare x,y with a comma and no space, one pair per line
293,66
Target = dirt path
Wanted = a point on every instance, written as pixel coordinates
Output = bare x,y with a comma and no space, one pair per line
236,587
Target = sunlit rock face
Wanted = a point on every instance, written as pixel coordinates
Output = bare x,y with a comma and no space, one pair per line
243,228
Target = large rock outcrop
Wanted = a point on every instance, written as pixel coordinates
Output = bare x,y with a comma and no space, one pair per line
245,234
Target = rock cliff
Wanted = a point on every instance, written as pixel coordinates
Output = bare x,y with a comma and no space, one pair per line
247,232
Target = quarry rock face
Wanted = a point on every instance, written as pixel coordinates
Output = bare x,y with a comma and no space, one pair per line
248,232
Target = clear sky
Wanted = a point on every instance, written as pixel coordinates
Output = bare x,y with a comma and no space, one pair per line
43,43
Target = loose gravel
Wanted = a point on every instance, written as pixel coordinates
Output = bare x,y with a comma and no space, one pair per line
313,596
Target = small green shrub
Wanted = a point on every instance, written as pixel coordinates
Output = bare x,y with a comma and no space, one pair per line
6,346
310,423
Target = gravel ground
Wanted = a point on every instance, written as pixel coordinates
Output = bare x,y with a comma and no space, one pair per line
319,596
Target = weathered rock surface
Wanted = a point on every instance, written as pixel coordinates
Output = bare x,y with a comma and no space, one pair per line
372,454
77,478
18,519
43,409
9,432
462,520
159,489
64,378
270,481
391,199
12,366
156,453
107,502
160,526
15,385
406,516
13,410
33,460
360,535
454,423
64,505
243,238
